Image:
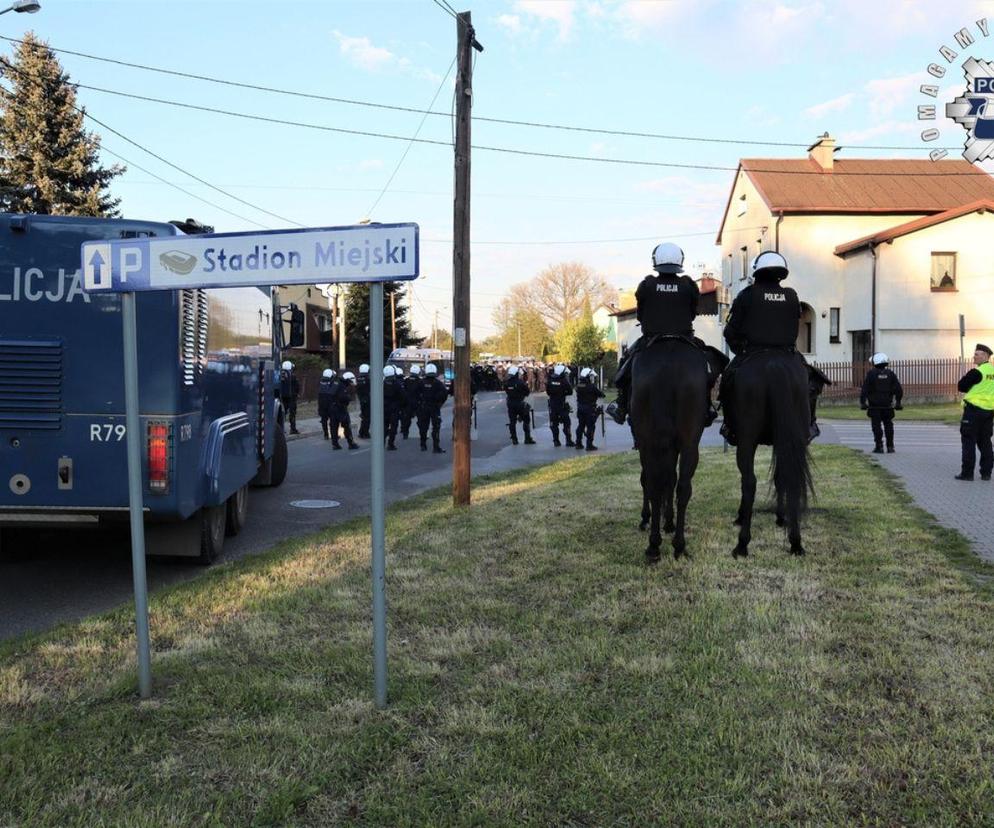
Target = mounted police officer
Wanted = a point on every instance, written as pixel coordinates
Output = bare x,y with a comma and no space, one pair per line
977,386
764,316
289,391
431,397
409,410
393,400
326,393
587,409
517,409
340,410
558,388
362,392
667,305
880,397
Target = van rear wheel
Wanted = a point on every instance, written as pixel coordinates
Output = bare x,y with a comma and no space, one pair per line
213,520
279,460
237,510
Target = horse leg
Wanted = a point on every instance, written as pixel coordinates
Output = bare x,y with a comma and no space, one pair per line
745,458
655,494
669,527
646,511
684,489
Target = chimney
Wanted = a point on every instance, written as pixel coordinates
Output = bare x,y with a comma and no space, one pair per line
822,152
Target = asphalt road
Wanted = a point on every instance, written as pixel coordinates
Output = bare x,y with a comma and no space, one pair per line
55,577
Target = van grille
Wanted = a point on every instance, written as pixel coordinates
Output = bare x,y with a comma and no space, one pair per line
31,384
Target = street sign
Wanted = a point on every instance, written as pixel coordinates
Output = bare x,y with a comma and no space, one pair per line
360,253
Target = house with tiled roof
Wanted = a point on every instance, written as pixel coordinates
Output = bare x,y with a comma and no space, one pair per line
885,254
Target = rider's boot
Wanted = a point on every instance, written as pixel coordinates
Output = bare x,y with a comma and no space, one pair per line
618,410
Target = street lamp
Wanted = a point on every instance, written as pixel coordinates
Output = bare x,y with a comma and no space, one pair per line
29,6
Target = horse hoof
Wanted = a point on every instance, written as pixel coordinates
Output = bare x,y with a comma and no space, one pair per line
669,528
739,552
680,553
797,550
737,522
652,556
643,525
781,521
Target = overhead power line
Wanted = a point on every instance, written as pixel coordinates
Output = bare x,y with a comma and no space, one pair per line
10,68
506,150
506,121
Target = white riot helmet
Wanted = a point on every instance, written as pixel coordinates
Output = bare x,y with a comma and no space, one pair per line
431,369
364,368
327,373
558,368
389,371
583,372
348,376
512,371
415,370
770,263
667,258
879,359
287,365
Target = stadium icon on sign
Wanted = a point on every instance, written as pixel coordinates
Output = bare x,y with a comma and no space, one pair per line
974,110
178,262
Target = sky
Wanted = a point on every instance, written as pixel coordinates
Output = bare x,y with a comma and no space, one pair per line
757,70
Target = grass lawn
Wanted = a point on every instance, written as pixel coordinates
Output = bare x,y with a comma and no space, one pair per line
540,673
950,413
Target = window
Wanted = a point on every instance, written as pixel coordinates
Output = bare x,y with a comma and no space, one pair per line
744,255
833,324
943,271
743,206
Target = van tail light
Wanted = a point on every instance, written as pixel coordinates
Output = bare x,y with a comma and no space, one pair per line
159,438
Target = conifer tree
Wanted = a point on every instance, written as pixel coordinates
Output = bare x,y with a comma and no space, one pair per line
48,162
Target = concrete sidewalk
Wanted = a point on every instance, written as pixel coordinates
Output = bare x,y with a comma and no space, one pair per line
927,458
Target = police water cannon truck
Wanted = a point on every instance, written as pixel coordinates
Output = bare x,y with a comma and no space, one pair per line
212,423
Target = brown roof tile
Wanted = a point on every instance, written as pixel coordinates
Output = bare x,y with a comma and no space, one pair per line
864,185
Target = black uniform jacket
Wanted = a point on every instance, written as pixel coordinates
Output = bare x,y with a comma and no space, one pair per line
432,395
558,389
881,389
763,314
362,388
667,305
587,395
516,390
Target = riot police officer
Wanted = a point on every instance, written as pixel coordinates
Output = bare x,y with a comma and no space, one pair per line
362,392
765,315
977,425
517,409
558,388
667,304
879,398
409,410
587,410
341,398
431,398
326,393
289,391
393,399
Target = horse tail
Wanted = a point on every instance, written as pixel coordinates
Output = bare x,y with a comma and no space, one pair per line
791,465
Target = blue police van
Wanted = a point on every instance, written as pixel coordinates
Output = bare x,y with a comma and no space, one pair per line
212,424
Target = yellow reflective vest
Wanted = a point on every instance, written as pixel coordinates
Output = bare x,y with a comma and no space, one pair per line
982,394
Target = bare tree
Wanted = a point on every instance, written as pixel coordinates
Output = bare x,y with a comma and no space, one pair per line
561,291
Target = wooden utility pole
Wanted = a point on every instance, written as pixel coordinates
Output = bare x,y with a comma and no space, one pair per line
460,261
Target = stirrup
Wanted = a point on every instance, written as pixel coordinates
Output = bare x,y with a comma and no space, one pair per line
616,412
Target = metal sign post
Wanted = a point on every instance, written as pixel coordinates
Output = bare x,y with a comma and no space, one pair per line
373,253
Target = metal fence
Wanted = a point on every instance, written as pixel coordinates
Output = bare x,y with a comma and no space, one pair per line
922,379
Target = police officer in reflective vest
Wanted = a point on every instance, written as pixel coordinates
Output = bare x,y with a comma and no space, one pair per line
289,391
362,392
393,399
517,409
326,393
587,410
431,397
880,398
765,315
341,398
558,387
975,429
667,305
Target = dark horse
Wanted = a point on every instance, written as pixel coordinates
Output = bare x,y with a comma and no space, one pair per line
668,407
770,396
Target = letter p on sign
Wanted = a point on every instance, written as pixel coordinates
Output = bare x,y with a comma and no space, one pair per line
131,261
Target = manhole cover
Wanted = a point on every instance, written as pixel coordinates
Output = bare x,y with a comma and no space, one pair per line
315,504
